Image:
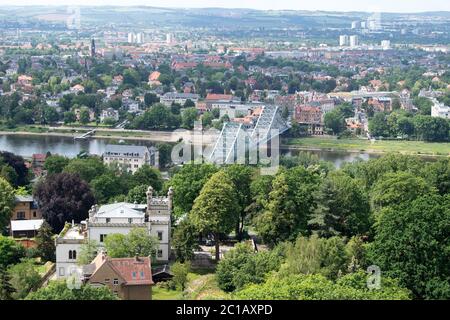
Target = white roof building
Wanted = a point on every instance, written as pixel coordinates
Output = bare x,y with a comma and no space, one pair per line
440,110
26,225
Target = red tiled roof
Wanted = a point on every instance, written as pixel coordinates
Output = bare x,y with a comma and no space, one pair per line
215,96
39,156
135,271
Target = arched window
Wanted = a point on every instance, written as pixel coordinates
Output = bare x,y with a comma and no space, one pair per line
72,254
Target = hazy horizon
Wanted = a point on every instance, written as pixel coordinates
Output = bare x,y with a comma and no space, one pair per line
388,6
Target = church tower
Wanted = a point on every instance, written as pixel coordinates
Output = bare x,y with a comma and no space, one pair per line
159,210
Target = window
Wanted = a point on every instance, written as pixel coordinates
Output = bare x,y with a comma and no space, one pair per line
108,220
72,254
130,220
142,274
106,280
102,237
61,272
133,275
34,214
160,235
116,282
160,253
20,215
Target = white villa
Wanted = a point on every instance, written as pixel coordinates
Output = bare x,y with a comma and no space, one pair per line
439,109
115,218
130,158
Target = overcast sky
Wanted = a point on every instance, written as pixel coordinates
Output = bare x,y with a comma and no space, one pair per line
329,5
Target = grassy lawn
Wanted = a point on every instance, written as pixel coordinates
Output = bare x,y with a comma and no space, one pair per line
201,285
164,294
407,147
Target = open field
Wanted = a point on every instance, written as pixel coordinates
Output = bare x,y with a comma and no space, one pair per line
202,285
379,146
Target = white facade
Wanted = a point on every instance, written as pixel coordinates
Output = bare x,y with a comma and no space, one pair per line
440,110
343,40
354,41
68,244
130,158
233,110
117,218
180,98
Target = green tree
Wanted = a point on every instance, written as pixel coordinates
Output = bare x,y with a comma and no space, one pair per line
188,116
316,255
55,164
216,209
399,187
10,251
88,251
438,174
138,194
84,116
188,182
412,245
88,169
24,278
58,290
45,242
378,125
334,121
69,117
317,287
343,207
185,240
107,186
6,203
147,175
431,128
6,289
137,242
289,207
180,274
241,176
242,266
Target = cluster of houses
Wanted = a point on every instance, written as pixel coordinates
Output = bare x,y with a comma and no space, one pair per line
131,277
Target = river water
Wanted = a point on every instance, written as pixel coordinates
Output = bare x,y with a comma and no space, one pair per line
27,145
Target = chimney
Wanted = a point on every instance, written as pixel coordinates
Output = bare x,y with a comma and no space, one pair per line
73,223
170,196
149,194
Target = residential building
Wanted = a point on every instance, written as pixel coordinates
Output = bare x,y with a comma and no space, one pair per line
439,109
310,116
26,208
68,244
25,228
354,41
128,278
154,216
109,113
130,158
344,40
180,98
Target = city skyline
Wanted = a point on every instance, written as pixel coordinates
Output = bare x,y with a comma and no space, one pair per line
323,5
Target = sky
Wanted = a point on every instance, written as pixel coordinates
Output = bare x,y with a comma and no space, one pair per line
327,5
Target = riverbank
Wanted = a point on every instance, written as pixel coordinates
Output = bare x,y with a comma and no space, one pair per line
106,133
363,145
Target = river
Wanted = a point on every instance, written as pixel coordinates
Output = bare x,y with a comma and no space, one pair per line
27,145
